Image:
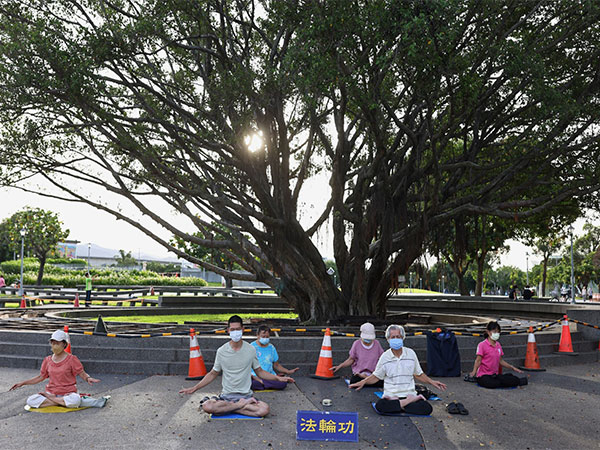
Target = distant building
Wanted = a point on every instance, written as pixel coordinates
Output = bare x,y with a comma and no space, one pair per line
97,256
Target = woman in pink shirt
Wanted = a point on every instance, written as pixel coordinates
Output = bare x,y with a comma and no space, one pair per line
62,368
364,354
486,369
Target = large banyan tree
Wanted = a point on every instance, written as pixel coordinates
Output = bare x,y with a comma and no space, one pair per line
417,112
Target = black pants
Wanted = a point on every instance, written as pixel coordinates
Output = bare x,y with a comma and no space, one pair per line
496,381
356,379
420,407
88,295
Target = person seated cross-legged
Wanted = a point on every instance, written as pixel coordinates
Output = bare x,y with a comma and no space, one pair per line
363,356
62,369
269,361
398,367
235,359
489,359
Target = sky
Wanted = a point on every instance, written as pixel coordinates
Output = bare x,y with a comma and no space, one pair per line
88,224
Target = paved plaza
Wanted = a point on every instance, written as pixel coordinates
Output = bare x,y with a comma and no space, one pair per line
557,410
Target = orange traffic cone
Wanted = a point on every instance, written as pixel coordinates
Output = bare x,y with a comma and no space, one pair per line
565,345
76,301
532,359
23,303
197,369
325,363
68,349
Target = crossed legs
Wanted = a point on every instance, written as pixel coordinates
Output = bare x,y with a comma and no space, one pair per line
246,406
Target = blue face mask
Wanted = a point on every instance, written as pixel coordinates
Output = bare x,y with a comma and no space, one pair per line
396,343
367,341
264,341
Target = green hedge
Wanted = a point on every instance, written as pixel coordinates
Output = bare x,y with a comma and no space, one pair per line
69,261
14,267
105,276
114,279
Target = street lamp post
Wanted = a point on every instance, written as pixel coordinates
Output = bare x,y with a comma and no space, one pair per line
527,266
22,233
89,250
572,269
443,288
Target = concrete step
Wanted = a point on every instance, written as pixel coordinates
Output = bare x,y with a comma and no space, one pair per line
169,355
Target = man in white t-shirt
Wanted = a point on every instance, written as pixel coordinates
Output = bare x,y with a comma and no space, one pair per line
235,359
398,367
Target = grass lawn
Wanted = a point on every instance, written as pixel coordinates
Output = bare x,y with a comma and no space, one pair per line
415,291
180,318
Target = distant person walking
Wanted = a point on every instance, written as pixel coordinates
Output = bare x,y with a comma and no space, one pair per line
88,289
2,281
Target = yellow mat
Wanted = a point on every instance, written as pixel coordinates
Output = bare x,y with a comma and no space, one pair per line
265,390
54,409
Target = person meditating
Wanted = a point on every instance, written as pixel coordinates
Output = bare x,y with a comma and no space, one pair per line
398,367
269,361
489,359
62,368
364,354
235,359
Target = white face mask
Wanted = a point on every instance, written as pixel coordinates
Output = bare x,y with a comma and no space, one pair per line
495,336
236,335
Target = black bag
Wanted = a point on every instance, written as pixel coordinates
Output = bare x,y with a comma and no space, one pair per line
443,358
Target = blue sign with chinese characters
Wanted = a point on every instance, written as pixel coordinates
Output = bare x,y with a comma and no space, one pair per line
327,426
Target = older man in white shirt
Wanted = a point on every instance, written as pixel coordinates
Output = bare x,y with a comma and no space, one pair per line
398,367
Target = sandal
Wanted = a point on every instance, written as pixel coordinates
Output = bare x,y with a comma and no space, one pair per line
462,410
452,408
469,378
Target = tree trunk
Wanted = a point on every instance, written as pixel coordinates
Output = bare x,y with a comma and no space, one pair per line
479,283
544,275
303,279
460,274
462,287
41,269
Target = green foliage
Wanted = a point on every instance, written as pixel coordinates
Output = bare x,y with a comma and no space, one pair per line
157,267
67,261
14,267
220,256
5,249
125,259
507,276
441,110
71,278
586,259
196,317
43,230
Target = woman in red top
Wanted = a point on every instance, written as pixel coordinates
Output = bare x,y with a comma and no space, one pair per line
486,369
62,368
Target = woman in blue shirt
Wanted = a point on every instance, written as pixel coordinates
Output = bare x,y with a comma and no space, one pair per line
269,361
